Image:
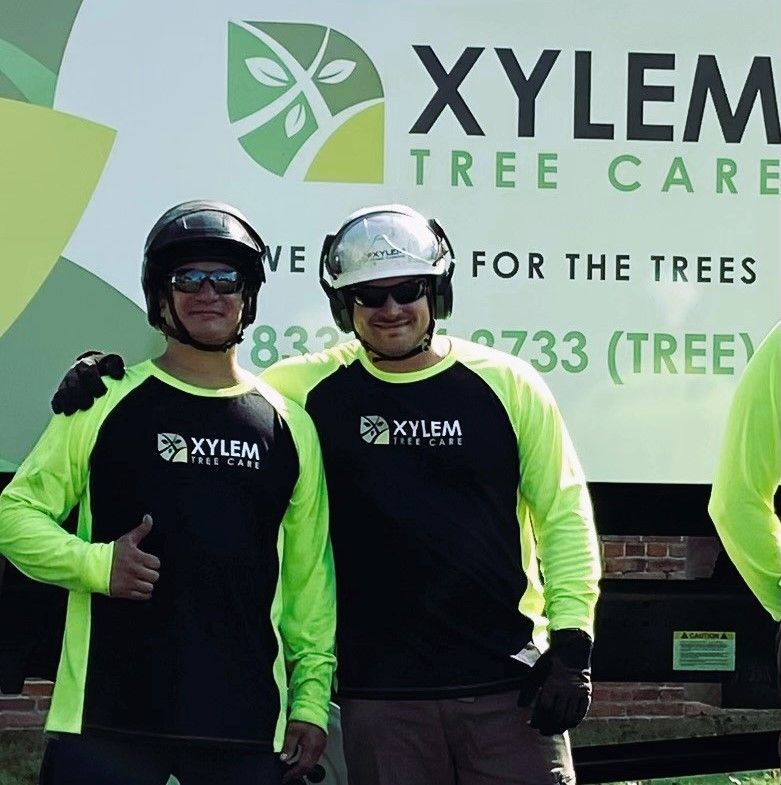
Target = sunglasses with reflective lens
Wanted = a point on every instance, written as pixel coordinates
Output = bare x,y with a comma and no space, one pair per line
190,281
403,293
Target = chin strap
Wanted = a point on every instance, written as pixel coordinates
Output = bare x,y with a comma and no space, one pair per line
423,346
180,333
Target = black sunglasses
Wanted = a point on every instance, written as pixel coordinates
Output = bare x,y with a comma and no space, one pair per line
190,281
403,293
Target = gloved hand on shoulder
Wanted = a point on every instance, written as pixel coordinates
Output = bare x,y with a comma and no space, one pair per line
82,384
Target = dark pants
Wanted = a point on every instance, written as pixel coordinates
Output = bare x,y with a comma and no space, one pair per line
94,760
484,740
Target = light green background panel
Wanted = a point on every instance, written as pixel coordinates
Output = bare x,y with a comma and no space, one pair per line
50,163
33,35
37,29
73,311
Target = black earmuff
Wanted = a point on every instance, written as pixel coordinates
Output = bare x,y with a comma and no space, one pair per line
341,309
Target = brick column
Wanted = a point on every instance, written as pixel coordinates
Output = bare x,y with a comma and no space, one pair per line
28,710
662,558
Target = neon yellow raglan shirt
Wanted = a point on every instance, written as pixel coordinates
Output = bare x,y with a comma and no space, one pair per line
451,490
233,481
749,473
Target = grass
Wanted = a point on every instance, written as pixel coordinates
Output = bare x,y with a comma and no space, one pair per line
20,757
737,778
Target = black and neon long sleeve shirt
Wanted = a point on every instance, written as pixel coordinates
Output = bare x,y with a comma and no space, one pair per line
749,473
448,488
233,481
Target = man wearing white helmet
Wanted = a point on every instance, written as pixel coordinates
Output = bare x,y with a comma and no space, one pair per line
374,245
451,477
451,481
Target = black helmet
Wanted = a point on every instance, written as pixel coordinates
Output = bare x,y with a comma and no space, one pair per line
201,230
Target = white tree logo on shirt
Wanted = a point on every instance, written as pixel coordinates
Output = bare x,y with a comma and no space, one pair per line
172,447
375,429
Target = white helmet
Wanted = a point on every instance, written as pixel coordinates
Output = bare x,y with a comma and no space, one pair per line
386,241
383,242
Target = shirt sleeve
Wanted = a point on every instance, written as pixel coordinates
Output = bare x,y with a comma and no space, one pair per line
295,377
308,618
47,486
748,475
554,487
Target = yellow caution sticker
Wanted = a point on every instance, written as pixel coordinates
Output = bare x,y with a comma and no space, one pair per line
703,650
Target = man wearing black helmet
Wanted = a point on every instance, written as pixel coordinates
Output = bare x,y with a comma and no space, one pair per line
201,499
452,481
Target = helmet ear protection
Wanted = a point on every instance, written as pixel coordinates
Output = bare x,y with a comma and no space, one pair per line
341,310
339,300
442,285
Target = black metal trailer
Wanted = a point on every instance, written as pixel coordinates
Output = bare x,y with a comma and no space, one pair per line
636,621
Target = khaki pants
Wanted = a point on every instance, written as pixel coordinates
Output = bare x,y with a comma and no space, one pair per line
464,741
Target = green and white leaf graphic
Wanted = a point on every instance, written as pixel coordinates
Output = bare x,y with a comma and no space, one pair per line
51,163
305,102
336,71
295,119
267,72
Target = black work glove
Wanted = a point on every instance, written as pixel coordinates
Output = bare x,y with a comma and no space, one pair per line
82,384
559,683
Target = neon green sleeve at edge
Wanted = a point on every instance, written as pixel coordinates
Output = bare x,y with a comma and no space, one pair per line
308,620
47,486
748,474
554,487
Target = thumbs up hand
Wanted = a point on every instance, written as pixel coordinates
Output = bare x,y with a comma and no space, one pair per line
133,571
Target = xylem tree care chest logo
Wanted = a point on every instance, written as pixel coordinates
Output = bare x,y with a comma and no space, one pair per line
375,429
205,451
306,102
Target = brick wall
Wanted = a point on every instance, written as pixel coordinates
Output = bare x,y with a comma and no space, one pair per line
619,699
611,699
662,558
667,558
28,710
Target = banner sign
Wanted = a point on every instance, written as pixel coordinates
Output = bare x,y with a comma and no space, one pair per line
609,178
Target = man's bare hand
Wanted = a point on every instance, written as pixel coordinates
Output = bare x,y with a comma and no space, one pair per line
307,738
133,572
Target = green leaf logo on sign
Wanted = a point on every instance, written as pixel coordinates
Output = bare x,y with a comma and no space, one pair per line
306,102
